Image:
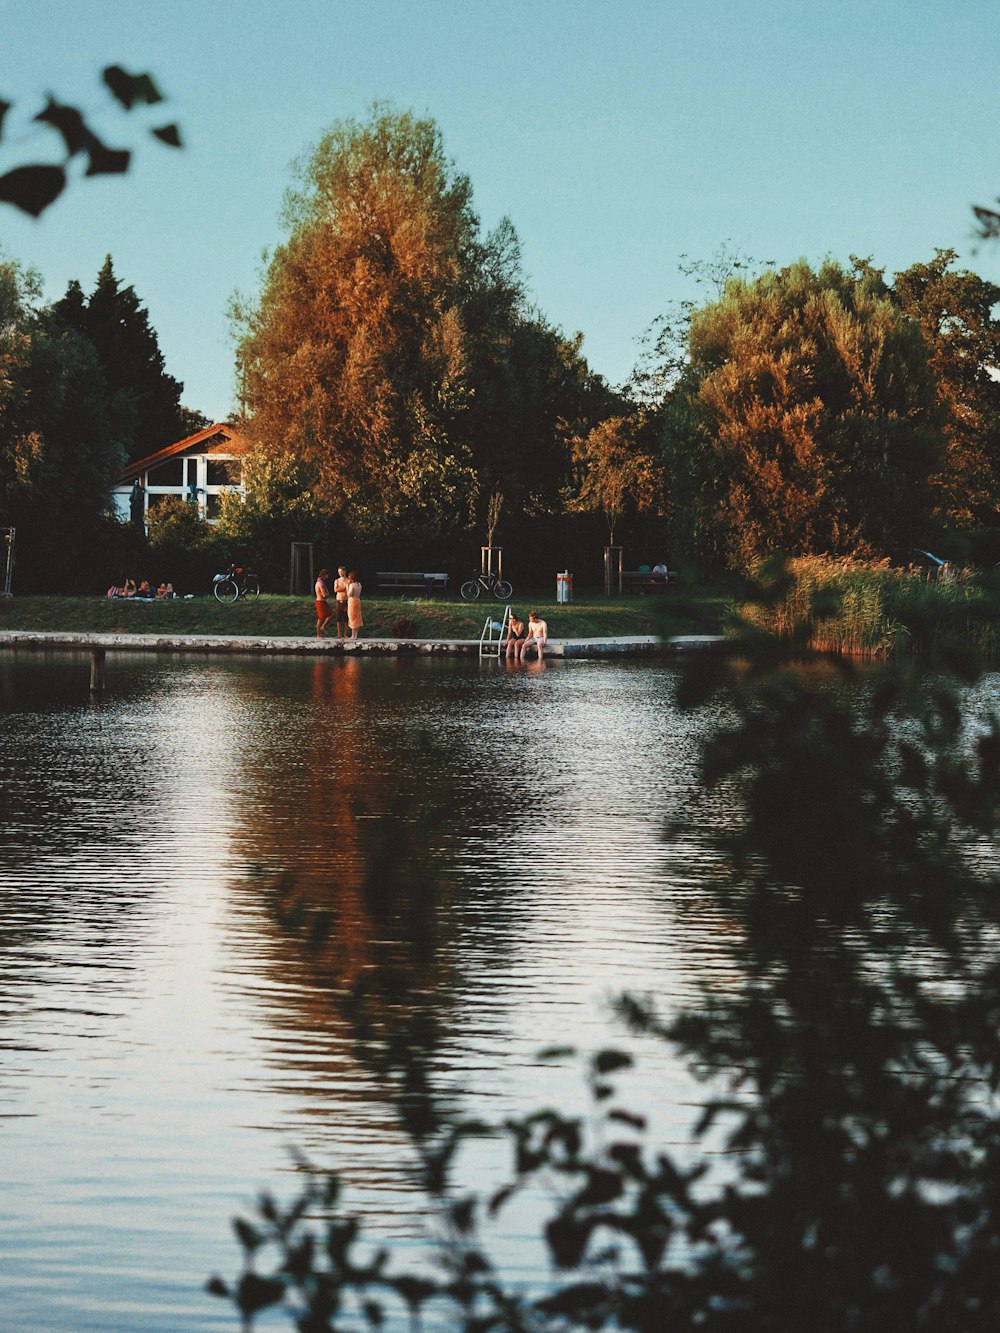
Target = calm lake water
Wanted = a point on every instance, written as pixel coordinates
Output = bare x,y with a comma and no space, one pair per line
163,1043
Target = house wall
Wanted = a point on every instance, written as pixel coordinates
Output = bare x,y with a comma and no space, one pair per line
200,478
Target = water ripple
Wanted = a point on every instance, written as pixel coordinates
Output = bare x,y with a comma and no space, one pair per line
163,1042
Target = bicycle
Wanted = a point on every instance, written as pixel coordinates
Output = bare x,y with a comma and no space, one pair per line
238,582
491,584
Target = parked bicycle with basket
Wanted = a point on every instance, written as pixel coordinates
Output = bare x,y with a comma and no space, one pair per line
237,582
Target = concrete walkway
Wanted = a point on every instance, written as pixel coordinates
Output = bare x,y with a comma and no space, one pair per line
215,643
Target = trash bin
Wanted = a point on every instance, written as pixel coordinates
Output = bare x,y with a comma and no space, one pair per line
564,587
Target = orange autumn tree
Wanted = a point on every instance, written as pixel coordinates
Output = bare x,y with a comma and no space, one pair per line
806,420
615,472
351,359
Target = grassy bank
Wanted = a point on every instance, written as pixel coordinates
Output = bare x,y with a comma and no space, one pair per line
854,608
437,618
871,609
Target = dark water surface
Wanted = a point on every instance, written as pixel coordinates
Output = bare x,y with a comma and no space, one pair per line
162,1042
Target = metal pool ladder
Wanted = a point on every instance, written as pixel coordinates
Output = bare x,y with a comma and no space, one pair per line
487,644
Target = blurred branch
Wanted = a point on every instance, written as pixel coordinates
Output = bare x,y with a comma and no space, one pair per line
34,186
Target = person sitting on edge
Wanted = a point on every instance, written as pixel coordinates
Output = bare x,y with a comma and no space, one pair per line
323,611
538,633
515,635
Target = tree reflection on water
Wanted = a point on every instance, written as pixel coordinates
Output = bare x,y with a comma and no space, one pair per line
365,913
851,1071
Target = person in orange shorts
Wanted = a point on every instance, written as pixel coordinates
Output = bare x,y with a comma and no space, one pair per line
323,608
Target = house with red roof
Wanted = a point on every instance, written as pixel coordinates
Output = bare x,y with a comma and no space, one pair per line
199,469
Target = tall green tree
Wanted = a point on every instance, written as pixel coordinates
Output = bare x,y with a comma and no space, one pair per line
807,420
391,347
664,345
531,391
533,395
144,400
58,454
956,311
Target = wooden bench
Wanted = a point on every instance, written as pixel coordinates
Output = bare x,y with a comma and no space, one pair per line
645,581
395,581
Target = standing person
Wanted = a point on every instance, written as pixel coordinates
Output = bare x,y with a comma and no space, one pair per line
340,594
323,612
538,633
515,635
354,617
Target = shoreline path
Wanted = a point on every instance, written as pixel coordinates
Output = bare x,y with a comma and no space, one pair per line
258,644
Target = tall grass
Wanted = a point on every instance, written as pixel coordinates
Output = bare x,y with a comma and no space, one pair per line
872,609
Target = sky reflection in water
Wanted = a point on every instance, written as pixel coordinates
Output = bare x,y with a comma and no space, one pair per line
162,1043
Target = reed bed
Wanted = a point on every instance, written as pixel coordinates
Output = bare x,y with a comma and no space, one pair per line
872,609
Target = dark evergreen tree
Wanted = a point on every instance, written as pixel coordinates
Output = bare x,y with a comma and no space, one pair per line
58,453
144,402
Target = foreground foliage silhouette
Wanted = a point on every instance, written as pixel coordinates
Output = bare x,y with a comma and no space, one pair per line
34,186
847,1175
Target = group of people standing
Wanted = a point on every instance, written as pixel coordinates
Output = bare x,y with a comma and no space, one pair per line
345,590
521,638
346,610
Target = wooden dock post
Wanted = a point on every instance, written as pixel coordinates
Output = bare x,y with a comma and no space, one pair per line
97,670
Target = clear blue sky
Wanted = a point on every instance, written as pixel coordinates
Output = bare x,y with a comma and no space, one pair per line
616,136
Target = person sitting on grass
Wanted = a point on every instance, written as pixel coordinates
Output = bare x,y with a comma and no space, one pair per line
165,590
538,633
